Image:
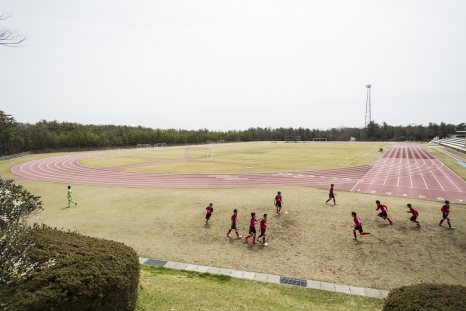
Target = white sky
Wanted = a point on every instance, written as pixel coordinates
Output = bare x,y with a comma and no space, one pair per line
225,65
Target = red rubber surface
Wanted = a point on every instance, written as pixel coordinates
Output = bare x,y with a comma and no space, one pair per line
405,170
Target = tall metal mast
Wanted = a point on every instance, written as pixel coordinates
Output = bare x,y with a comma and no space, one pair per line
368,106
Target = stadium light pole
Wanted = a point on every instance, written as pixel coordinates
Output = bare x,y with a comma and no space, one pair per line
368,106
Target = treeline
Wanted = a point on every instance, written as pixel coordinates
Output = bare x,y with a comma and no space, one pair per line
16,137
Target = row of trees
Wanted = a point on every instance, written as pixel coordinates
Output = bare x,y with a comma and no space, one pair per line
16,137
375,131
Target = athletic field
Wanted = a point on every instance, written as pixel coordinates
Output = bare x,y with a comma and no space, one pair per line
309,240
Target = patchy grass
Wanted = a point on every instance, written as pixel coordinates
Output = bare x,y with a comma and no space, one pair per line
241,158
311,240
166,289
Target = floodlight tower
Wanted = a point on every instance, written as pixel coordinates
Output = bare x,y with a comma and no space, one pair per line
368,106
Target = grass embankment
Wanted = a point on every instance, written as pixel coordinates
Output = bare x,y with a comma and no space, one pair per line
166,289
449,161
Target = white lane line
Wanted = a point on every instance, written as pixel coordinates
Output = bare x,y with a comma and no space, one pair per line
442,171
399,167
361,156
420,172
432,172
354,186
451,181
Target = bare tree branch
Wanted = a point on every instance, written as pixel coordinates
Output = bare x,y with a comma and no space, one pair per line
10,37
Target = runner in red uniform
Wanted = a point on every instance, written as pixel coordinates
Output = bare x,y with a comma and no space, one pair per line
383,213
209,210
263,224
331,195
252,229
234,219
278,202
415,214
358,226
445,212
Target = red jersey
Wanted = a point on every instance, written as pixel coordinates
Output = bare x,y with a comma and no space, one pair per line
357,221
252,224
264,223
331,191
278,198
234,217
445,209
209,209
382,207
413,211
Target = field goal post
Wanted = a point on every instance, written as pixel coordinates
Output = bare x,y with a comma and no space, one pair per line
199,152
320,139
292,138
144,146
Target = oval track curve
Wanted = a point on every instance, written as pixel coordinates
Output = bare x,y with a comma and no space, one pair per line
404,170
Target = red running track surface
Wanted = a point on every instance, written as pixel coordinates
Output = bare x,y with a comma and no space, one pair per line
405,170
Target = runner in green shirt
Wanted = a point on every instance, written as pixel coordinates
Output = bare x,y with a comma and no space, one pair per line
70,197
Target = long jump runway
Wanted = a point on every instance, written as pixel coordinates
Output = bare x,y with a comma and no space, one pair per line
405,170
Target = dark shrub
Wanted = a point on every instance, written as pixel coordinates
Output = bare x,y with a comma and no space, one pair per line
426,297
76,272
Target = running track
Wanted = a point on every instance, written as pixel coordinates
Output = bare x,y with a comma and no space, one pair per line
405,170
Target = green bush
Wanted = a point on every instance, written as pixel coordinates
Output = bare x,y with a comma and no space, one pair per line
427,297
76,272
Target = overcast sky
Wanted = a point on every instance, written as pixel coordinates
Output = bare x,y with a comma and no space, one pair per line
225,65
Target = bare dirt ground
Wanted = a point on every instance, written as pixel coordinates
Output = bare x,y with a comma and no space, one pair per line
309,240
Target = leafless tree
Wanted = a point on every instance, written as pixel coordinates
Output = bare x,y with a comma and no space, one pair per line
10,37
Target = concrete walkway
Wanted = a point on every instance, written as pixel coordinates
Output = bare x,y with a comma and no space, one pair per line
331,287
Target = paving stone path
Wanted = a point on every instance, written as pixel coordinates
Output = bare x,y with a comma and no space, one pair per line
331,287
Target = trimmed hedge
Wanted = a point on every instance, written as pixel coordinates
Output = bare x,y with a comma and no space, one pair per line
426,297
87,274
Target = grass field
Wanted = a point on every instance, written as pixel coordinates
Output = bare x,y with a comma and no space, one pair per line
312,241
241,158
166,289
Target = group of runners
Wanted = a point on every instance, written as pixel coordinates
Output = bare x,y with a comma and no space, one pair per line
278,201
252,223
383,214
357,220
414,214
